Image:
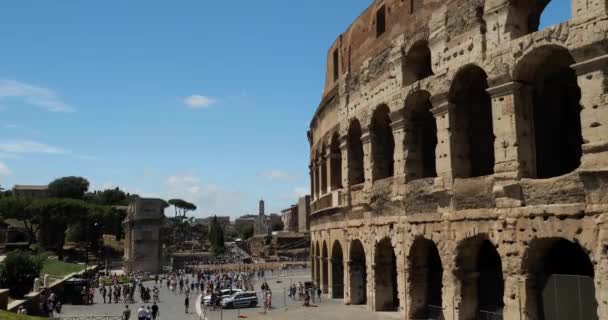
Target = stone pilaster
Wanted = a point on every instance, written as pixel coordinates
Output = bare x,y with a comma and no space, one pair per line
398,127
592,79
443,112
368,159
328,169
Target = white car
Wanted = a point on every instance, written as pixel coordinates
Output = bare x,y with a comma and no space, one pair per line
225,294
241,300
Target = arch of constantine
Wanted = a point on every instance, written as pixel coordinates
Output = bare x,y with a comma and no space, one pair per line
459,161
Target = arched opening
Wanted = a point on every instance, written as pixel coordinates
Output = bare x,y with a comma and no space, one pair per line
383,143
425,275
421,136
387,297
323,170
473,133
337,271
357,273
355,154
560,281
550,98
325,274
336,162
417,64
480,274
317,265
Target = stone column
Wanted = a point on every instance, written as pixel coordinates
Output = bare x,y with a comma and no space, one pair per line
512,149
315,181
320,164
445,140
398,126
601,272
312,181
368,159
345,164
346,280
592,76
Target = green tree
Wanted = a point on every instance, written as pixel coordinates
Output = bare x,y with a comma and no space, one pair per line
181,207
18,208
18,272
246,232
277,226
69,187
216,237
56,215
109,197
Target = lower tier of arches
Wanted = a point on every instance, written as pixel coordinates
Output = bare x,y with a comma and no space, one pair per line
533,268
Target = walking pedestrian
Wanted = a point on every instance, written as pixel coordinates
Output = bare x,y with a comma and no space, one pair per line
155,312
126,314
187,303
141,313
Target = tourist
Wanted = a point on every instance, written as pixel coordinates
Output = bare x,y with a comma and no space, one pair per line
141,313
126,314
148,314
187,303
155,312
319,292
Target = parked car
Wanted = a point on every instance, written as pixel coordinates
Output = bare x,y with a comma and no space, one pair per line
225,294
241,300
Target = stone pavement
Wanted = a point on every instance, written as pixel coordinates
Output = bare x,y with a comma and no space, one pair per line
171,306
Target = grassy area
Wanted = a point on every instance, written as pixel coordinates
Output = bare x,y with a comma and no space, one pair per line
60,268
4,315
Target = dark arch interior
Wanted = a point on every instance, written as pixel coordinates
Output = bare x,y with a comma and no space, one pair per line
491,284
336,162
323,171
383,143
426,274
358,273
325,275
355,154
317,265
417,63
422,136
337,269
473,132
565,286
387,297
555,111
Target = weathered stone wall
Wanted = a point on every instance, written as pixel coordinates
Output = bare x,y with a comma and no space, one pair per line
543,195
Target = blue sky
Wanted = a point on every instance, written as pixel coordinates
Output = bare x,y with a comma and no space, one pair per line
206,100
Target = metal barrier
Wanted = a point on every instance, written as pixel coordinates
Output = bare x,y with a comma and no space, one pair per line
487,315
89,318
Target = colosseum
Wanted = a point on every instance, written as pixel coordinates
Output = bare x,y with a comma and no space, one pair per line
459,162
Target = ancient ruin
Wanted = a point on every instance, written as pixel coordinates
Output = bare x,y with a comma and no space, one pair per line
143,251
459,161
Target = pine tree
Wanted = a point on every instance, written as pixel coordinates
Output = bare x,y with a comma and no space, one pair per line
216,237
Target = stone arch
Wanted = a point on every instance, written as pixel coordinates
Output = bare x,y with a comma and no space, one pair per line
550,111
471,127
385,277
357,273
479,271
425,276
421,136
317,265
383,143
560,280
325,267
335,158
355,154
337,271
323,160
417,63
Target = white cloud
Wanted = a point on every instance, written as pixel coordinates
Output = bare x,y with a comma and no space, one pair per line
4,170
10,126
275,174
209,198
34,95
197,101
28,146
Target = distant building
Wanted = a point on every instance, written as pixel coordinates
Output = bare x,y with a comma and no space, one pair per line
260,227
244,221
304,214
31,191
290,219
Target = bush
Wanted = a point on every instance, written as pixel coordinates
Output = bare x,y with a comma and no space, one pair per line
18,272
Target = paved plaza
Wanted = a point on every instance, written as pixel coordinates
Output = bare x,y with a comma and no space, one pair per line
172,305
